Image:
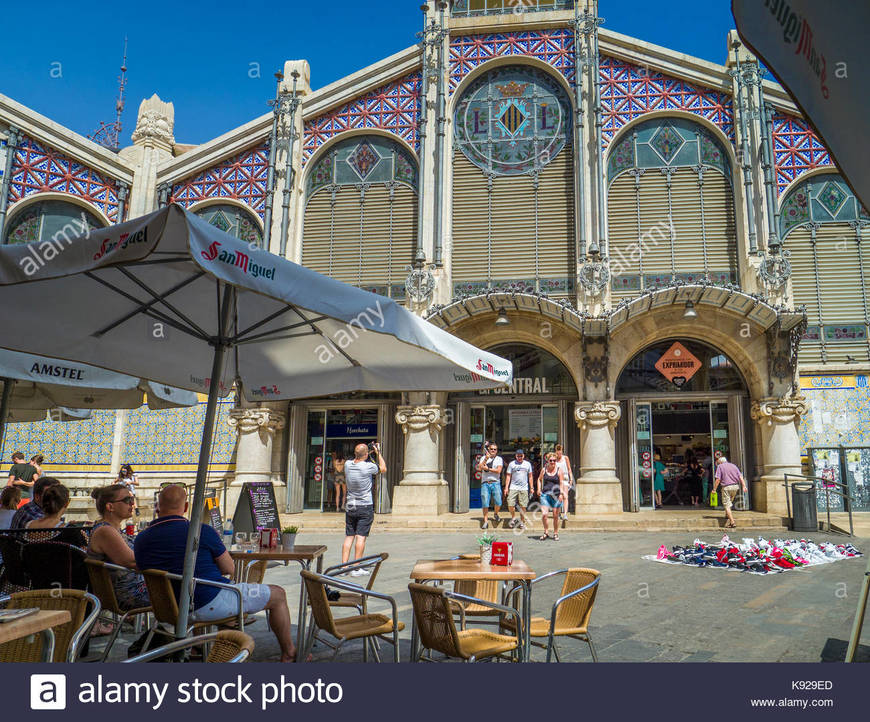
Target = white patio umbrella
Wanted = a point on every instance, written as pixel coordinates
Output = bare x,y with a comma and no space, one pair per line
33,385
169,297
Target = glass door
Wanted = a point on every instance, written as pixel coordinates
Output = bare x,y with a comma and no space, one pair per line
476,437
642,454
315,467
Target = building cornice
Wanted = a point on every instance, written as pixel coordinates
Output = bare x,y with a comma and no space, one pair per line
64,140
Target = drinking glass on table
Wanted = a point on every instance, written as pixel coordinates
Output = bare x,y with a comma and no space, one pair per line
242,540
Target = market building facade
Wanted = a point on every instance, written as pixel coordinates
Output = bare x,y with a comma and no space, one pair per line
661,245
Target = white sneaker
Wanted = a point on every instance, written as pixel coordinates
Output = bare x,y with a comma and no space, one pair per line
358,573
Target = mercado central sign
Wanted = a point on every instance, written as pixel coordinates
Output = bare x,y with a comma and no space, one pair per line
527,385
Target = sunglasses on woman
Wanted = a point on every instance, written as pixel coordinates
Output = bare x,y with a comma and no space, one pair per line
125,500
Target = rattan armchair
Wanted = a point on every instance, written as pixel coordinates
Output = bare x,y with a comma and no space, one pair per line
227,646
352,600
164,605
345,629
569,616
69,636
103,587
434,608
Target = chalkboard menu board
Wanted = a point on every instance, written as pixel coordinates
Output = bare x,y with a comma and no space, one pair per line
256,507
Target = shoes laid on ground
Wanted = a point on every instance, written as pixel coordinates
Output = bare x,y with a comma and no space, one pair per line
495,518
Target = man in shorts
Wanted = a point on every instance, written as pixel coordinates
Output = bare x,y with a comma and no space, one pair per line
490,466
359,476
162,546
730,478
518,485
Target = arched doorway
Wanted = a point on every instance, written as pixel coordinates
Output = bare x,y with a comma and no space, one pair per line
533,414
683,399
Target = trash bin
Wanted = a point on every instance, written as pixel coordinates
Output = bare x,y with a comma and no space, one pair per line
804,516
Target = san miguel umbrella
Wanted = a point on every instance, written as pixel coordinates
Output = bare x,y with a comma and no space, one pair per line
34,385
169,297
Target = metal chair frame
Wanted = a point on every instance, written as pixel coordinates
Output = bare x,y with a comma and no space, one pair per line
550,646
118,615
313,634
504,610
183,645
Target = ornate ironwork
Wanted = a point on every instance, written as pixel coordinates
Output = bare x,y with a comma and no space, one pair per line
419,285
594,277
775,270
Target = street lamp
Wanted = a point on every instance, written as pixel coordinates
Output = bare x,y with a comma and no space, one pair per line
690,314
502,319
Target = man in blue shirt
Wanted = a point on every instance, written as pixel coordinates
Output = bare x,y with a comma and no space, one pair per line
162,546
32,510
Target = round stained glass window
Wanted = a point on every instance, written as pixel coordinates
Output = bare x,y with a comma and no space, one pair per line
513,120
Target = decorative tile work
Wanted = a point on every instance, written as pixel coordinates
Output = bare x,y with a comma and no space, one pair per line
628,91
394,107
87,442
796,149
550,286
242,178
554,47
173,436
39,169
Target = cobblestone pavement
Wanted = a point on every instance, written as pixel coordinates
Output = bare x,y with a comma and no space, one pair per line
645,612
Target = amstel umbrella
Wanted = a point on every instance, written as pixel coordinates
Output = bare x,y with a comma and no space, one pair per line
33,385
170,298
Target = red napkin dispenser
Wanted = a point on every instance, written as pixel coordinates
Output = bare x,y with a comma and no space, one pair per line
502,554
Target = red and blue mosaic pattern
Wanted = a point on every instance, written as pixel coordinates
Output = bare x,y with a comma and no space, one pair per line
554,47
796,149
242,178
39,169
394,107
629,91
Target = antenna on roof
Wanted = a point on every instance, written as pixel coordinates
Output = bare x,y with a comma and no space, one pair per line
108,135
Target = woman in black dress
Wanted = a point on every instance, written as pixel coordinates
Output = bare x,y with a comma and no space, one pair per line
694,475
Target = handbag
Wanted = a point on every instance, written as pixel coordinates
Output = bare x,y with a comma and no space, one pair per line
714,499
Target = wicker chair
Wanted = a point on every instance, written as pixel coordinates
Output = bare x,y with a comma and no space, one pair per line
361,626
569,616
68,636
164,605
227,646
13,577
486,590
103,587
433,612
54,564
349,599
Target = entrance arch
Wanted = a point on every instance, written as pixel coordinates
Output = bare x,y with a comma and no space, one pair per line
685,400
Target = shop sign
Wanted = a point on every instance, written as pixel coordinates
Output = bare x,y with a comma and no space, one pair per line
351,431
522,385
678,365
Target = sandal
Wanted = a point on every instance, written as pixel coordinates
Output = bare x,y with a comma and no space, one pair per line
543,537
555,537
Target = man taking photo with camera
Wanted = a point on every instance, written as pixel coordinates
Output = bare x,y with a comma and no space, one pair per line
359,476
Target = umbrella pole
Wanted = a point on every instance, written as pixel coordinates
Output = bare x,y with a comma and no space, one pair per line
4,409
196,509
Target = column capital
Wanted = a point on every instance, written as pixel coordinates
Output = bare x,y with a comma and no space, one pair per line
247,421
420,418
785,410
597,414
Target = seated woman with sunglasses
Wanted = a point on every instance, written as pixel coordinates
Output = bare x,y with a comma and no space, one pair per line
108,544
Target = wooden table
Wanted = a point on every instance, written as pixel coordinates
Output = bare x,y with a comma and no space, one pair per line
39,623
304,555
428,570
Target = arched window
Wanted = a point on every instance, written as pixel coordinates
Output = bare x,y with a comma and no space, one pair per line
361,214
823,226
513,185
234,220
670,208
50,220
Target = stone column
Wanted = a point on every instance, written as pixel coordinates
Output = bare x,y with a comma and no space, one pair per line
422,491
256,427
778,419
599,491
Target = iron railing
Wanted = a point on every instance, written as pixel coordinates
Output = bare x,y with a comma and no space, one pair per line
473,8
827,486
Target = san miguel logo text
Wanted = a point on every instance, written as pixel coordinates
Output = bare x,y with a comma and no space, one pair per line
796,29
124,240
488,368
238,259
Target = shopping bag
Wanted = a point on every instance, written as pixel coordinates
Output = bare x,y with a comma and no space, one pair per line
714,499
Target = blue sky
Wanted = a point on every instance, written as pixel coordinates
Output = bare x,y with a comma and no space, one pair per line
215,61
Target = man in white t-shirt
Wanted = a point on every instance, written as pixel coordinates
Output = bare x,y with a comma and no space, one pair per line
518,485
490,467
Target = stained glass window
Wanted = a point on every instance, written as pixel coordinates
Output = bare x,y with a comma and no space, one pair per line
823,198
47,220
233,220
667,142
513,120
363,160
